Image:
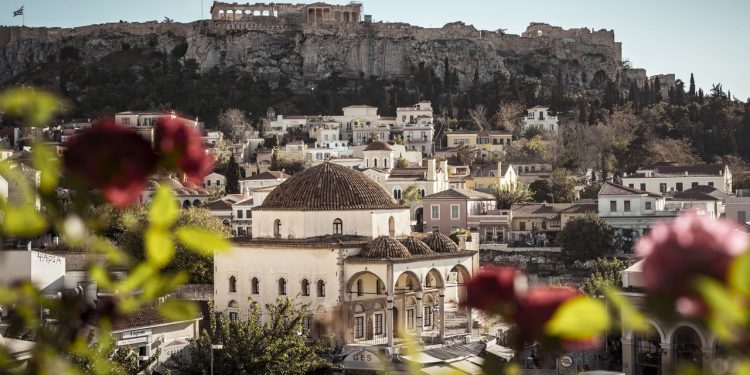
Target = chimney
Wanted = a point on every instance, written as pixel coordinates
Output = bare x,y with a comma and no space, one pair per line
431,172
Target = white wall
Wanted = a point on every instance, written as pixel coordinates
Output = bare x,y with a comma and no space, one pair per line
653,183
46,271
299,224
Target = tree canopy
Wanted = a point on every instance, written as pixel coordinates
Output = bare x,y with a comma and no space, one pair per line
586,237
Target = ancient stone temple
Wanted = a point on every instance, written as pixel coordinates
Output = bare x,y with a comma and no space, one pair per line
308,13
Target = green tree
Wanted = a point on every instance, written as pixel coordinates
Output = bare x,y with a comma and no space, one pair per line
591,190
467,154
275,159
129,235
401,162
507,195
605,273
410,195
233,177
586,237
562,186
691,89
540,191
278,345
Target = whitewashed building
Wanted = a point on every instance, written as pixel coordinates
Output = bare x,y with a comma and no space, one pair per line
338,241
665,177
539,117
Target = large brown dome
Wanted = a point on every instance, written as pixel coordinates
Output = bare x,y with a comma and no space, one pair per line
416,247
328,186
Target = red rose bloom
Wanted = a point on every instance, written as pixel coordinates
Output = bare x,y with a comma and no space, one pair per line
111,158
182,147
491,289
537,307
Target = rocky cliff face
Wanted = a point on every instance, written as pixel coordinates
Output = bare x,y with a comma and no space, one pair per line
306,54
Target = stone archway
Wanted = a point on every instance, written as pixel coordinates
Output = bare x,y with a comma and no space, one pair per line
687,346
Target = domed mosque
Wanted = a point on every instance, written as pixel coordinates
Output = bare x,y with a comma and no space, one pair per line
335,239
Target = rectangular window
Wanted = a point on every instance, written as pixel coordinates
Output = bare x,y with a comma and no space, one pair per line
233,316
679,186
632,186
428,316
126,121
239,214
694,184
218,182
410,319
643,187
248,214
612,206
711,184
742,216
435,212
359,327
378,324
455,212
522,226
208,182
627,206
648,206
663,188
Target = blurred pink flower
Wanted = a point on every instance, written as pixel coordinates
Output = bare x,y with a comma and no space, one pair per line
537,307
675,253
493,288
181,147
111,158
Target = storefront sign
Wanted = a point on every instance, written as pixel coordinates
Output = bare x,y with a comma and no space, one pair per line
136,333
137,340
566,361
362,360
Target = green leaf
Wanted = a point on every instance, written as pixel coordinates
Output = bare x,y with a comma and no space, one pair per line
159,247
201,240
136,278
159,286
23,221
630,316
739,274
48,164
177,310
100,275
726,312
578,319
36,107
164,210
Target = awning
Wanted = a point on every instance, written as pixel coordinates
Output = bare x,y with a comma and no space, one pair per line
501,352
467,366
422,358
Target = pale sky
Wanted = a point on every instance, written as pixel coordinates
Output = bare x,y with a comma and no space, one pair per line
708,38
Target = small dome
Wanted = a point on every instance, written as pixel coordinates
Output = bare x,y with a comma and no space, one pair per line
328,186
416,247
385,247
378,145
441,243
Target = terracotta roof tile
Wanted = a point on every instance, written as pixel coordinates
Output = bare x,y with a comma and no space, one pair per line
329,186
385,247
378,145
441,243
415,246
460,194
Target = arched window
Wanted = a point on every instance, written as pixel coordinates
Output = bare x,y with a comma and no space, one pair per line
397,193
232,284
321,288
338,226
282,287
360,288
385,162
196,203
186,204
421,192
255,286
391,226
277,228
381,287
375,163
305,287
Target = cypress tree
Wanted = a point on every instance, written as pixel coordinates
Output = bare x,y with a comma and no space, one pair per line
233,177
691,90
657,90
